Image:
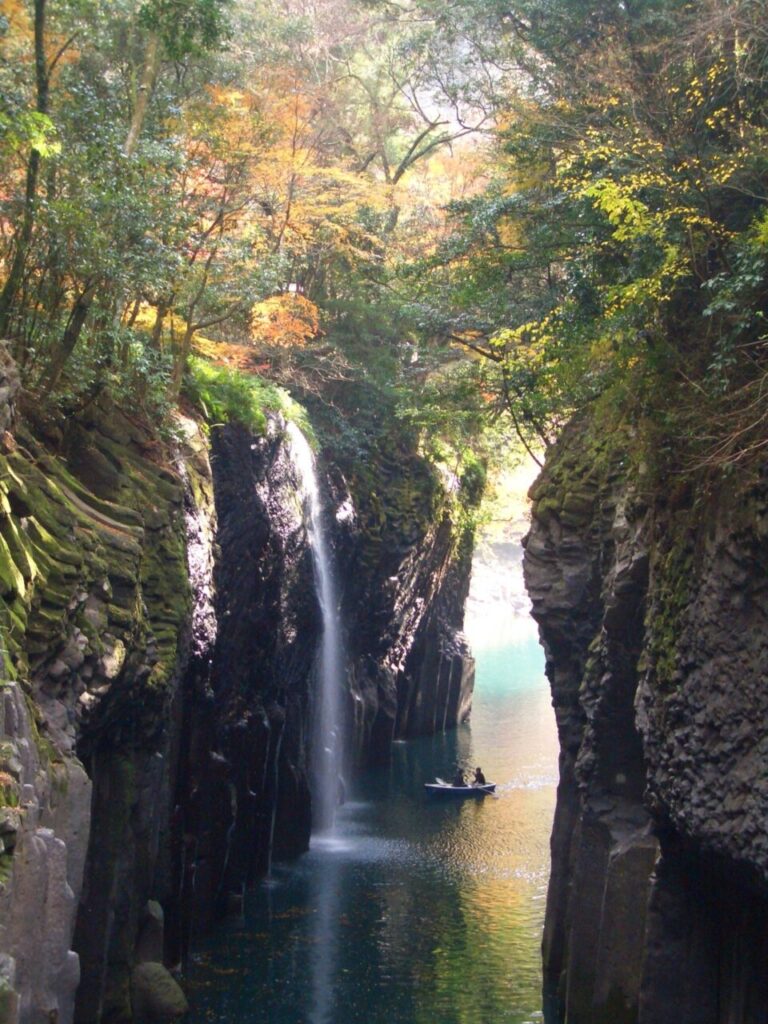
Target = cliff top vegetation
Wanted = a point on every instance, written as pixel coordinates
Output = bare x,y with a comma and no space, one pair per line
494,213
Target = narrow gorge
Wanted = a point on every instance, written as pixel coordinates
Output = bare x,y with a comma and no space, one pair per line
163,611
163,623
291,291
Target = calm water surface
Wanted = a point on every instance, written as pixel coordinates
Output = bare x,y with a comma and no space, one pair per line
415,911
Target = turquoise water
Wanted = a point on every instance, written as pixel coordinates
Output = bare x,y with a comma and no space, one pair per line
416,911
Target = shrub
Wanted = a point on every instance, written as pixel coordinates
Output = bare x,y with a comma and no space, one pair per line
224,395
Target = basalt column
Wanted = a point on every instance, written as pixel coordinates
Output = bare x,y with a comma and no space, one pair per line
243,792
652,604
586,569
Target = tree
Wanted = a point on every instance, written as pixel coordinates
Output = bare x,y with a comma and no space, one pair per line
84,61
44,68
630,174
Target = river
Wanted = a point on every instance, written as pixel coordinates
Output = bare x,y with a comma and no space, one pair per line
415,911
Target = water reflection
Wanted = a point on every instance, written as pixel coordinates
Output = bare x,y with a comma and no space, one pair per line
416,911
326,896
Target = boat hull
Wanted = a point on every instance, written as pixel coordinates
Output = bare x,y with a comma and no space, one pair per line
446,790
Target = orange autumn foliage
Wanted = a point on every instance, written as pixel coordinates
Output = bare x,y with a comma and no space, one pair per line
236,357
285,321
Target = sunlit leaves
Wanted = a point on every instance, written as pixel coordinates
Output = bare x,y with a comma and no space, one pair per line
29,129
285,320
632,169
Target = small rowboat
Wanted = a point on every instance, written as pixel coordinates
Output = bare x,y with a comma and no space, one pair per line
442,788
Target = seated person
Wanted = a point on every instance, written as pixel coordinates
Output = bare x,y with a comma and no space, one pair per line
458,778
479,779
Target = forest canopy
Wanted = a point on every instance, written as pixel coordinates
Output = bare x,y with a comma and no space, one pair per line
500,212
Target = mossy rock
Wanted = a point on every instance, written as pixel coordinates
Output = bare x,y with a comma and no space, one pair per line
11,579
20,550
157,997
70,543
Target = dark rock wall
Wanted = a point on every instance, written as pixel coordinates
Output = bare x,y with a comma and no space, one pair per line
242,791
404,564
160,625
434,688
651,603
411,672
94,608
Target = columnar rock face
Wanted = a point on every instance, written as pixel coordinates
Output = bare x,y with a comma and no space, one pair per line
652,607
411,669
160,625
94,606
44,833
404,569
243,793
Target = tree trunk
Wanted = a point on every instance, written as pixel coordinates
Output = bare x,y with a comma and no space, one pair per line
180,357
69,339
16,272
143,93
157,327
135,310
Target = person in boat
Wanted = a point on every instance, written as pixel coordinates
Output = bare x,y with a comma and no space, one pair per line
458,778
479,779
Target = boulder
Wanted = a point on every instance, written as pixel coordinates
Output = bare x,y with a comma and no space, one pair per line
157,996
149,946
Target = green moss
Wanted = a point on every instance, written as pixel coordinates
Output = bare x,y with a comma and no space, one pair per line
141,477
128,518
19,548
591,455
54,538
72,544
53,596
6,867
59,780
675,581
9,795
11,579
125,617
49,507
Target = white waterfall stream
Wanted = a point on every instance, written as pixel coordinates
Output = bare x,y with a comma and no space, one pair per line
327,731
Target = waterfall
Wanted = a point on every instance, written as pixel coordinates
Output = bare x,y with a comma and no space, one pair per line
327,732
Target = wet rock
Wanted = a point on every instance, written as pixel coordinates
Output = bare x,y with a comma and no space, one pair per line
255,627
149,946
156,995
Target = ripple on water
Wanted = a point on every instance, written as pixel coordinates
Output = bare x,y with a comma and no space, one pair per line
413,911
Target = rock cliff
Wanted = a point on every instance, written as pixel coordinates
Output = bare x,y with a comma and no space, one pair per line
404,562
160,627
243,794
94,606
650,593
